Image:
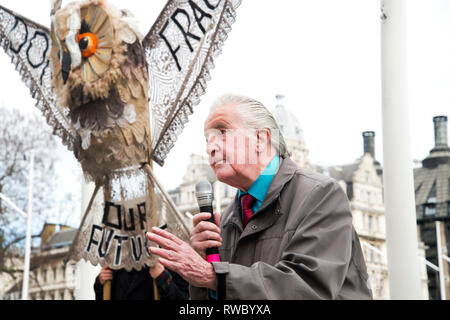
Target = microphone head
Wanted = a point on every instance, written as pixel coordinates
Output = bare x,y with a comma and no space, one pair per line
204,193
203,187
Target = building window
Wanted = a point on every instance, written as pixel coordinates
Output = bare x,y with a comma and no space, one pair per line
44,275
74,270
429,208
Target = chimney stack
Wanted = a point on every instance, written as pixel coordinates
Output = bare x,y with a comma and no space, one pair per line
369,143
440,132
440,154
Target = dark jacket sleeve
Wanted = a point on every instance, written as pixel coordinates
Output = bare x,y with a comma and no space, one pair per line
171,286
98,289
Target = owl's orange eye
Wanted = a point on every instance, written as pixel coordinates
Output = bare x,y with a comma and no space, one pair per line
88,44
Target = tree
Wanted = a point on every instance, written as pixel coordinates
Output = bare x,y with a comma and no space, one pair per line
22,134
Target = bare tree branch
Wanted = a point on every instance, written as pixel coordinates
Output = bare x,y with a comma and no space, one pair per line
20,134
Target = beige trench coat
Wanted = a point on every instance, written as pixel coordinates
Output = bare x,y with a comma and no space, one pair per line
300,244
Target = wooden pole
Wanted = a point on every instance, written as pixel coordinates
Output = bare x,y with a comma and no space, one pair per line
107,290
154,221
155,291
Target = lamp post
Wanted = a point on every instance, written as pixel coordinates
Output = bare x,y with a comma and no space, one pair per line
441,248
26,267
85,272
401,231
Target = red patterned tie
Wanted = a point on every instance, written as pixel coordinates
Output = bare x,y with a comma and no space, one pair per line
246,202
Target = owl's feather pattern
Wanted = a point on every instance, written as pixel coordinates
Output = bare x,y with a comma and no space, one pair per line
108,93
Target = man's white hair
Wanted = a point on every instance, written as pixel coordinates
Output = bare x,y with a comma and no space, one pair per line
254,115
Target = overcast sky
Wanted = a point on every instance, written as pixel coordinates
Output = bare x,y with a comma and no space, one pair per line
323,55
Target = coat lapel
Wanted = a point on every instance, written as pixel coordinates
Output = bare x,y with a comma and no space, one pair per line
263,218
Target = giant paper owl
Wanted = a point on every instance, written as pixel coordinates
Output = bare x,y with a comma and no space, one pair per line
100,74
119,101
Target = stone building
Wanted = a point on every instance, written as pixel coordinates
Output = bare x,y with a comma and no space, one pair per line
432,190
8,281
50,278
363,183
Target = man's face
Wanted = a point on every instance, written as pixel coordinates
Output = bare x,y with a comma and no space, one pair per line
231,147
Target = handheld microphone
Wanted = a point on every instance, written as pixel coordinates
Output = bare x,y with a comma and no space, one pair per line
204,194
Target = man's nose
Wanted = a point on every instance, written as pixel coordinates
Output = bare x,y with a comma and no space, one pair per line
212,146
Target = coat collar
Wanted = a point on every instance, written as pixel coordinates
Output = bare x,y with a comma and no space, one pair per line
286,171
261,185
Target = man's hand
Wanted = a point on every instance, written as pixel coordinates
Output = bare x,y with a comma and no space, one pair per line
205,234
180,257
105,275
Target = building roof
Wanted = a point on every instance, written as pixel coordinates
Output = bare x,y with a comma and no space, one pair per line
424,181
344,172
60,239
340,173
432,181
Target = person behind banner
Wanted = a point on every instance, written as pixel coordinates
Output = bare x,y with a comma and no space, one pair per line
139,285
288,234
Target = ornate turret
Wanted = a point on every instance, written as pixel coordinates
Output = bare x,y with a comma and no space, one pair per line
292,132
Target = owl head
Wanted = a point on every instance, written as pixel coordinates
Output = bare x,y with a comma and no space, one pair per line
89,42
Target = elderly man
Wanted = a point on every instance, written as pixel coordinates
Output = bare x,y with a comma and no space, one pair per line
287,235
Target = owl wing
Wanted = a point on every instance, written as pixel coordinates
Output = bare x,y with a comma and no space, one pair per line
180,49
28,45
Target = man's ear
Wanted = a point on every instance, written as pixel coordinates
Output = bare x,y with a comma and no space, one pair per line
263,140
